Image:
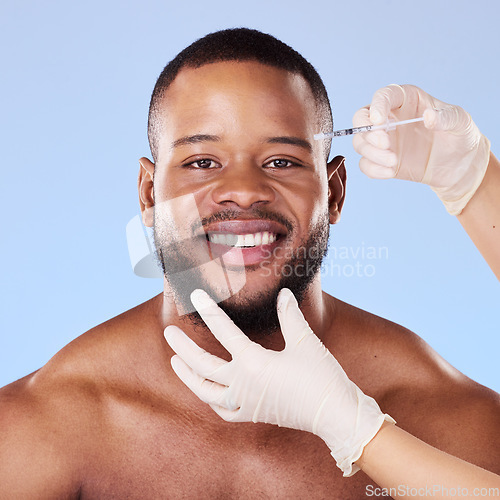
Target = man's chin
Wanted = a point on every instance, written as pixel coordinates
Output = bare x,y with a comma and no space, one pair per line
254,313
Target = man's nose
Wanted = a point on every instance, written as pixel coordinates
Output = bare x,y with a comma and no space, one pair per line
243,185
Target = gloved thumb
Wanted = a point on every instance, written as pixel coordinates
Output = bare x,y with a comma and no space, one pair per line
451,119
292,322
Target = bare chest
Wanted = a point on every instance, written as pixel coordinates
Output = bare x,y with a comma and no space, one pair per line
243,461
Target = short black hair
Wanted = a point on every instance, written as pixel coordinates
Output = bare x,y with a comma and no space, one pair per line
238,44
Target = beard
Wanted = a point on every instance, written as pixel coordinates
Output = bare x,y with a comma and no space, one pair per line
254,313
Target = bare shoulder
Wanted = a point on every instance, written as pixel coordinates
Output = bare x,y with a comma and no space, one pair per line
37,442
426,395
383,356
53,419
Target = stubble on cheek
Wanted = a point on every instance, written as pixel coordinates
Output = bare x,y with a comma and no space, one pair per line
184,255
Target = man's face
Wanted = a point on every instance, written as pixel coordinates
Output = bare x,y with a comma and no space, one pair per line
236,142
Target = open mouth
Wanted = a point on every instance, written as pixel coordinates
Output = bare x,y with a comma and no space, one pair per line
245,241
249,240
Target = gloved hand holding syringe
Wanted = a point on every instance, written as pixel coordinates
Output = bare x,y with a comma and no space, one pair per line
447,152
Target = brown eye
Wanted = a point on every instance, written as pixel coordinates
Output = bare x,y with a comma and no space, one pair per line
203,164
281,163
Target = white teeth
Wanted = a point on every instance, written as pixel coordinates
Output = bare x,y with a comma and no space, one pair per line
228,239
243,240
249,240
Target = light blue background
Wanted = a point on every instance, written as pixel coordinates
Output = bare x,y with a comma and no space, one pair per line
75,87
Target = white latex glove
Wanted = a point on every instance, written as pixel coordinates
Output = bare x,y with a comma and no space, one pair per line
447,151
301,387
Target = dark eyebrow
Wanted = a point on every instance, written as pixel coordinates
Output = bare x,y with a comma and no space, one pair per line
286,139
193,139
294,141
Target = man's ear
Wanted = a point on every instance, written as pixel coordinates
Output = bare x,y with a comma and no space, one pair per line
146,192
337,178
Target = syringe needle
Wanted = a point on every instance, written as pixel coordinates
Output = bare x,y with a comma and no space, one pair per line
390,125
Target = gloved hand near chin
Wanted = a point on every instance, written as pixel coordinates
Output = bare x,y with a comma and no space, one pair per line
301,387
447,151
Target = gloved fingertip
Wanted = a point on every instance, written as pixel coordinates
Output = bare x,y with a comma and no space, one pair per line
176,363
285,296
392,161
430,118
201,299
376,116
376,171
168,332
379,139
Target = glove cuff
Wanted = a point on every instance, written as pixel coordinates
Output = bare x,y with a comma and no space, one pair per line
347,465
456,198
364,423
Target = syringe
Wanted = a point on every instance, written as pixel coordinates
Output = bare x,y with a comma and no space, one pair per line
390,125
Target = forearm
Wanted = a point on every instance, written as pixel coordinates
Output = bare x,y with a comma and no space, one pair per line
398,460
481,216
